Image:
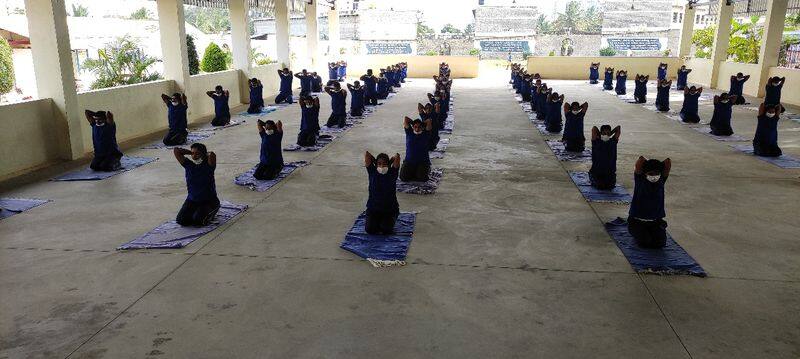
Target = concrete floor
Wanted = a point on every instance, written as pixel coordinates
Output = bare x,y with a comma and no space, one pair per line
508,260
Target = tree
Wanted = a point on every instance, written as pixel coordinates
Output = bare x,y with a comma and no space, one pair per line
141,14
745,41
543,26
469,30
6,68
121,62
607,51
703,39
191,49
449,28
208,20
577,20
213,59
80,11
423,30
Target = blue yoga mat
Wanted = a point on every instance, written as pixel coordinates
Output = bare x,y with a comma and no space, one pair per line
88,174
14,206
322,141
172,235
782,161
591,194
392,247
192,137
563,155
706,130
441,148
428,187
540,125
247,180
210,127
672,259
264,111
449,123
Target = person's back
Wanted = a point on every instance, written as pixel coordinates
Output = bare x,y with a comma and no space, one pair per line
737,87
573,137
662,95
622,78
773,91
256,96
683,78
608,79
356,99
646,215
640,91
603,173
553,120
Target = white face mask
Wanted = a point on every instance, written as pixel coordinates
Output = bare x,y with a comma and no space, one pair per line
724,101
417,132
605,138
196,161
270,132
770,114
383,170
653,178
575,112
99,124
175,103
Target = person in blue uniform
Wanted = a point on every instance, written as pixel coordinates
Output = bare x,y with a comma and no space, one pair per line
316,82
573,137
646,215
691,96
104,139
594,73
342,71
541,105
305,82
603,173
608,79
177,106
383,86
662,95
256,96
338,115
683,78
662,71
309,121
622,79
553,119
640,89
417,163
270,161
403,72
285,93
773,92
222,112
370,88
356,99
737,87
333,71
721,119
765,142
202,202
382,207
426,112
525,88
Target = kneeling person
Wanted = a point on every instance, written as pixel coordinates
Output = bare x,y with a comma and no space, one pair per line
201,203
417,163
603,174
382,207
222,113
646,216
271,158
104,138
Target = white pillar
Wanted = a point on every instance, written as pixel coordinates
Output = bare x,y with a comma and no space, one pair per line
172,28
282,32
312,33
55,76
722,39
770,41
240,41
333,34
686,31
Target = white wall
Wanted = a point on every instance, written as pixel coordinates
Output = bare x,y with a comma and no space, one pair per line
28,135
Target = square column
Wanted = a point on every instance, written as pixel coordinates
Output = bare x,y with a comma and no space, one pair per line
722,39
282,32
333,34
770,41
312,33
172,28
686,31
55,75
240,44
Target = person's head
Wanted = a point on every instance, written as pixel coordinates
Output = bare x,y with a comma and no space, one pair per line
286,70
555,97
336,85
369,72
771,110
308,101
218,89
575,107
665,83
382,163
254,81
199,152
538,82
416,126
739,75
605,133
653,169
663,65
683,67
176,98
428,108
269,127
692,90
100,118
314,74
356,83
775,80
305,72
724,97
